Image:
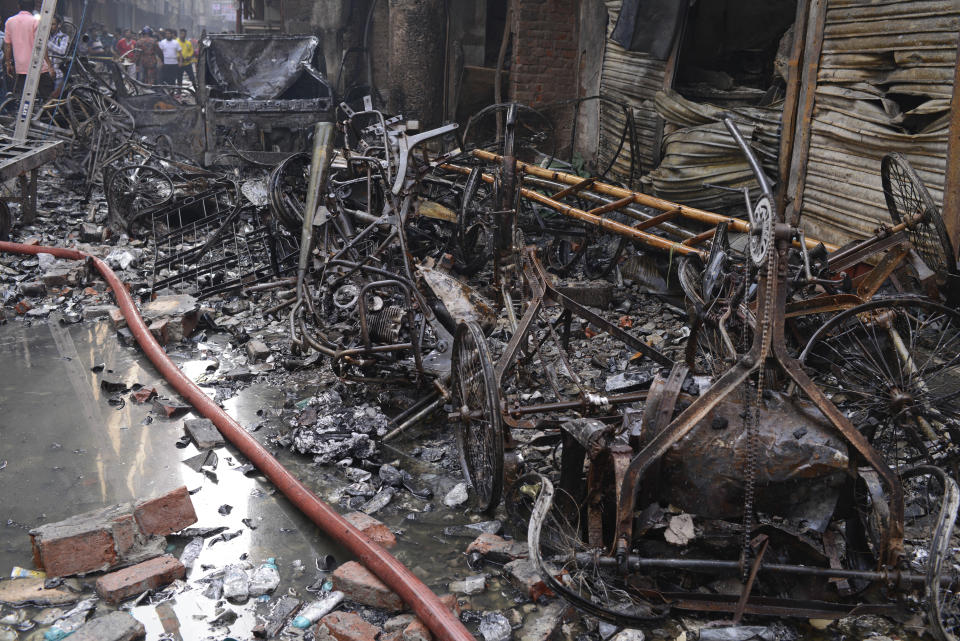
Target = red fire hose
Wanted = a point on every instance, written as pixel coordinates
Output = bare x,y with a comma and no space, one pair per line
441,621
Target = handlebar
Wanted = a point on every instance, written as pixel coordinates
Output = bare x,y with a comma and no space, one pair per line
751,158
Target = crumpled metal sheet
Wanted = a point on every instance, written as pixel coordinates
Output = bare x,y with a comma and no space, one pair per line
648,26
259,68
873,54
702,151
632,78
155,115
802,463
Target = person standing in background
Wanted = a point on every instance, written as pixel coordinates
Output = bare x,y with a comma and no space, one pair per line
57,51
188,58
125,45
149,57
19,33
171,59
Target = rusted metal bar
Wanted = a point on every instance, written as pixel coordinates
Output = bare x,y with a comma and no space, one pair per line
615,205
692,213
586,182
854,254
619,192
808,91
599,221
658,220
543,408
791,102
951,188
700,238
714,566
633,211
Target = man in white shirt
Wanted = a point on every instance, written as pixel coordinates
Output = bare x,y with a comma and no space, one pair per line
170,70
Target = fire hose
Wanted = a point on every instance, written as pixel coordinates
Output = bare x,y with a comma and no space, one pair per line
440,620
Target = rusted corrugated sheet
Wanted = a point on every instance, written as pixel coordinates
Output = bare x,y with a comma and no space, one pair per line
884,84
632,78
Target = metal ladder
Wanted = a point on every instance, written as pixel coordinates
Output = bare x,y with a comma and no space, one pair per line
33,76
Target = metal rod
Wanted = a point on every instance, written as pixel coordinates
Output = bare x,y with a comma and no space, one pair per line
637,563
641,199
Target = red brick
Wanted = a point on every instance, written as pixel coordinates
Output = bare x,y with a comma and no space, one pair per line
166,514
162,331
497,549
451,603
372,528
346,626
125,532
417,631
144,394
116,316
523,574
360,585
136,579
82,551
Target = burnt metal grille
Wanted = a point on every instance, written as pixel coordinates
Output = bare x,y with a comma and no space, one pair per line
209,244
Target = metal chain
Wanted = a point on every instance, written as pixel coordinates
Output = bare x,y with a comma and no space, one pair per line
751,414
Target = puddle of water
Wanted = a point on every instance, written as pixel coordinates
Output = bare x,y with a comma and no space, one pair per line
69,451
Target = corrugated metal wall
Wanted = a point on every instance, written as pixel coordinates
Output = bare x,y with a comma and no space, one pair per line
884,67
632,78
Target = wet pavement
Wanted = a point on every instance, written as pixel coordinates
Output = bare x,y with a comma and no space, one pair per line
68,451
71,446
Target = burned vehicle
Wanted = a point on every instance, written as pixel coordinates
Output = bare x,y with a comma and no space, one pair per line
261,95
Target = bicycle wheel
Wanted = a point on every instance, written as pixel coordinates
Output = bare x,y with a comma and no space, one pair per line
932,500
136,190
893,367
907,197
473,245
480,433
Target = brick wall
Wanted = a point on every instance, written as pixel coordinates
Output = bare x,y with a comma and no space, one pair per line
545,59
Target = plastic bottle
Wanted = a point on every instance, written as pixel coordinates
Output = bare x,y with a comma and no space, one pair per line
313,612
265,578
236,583
70,622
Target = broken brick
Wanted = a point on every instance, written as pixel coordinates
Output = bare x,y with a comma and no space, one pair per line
91,312
33,288
115,626
360,585
417,631
166,514
450,602
144,394
169,407
346,626
93,541
257,351
22,307
174,317
497,549
524,575
75,548
116,316
547,622
136,579
372,528
161,331
203,432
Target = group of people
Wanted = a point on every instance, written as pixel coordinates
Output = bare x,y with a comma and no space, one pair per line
159,61
153,61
